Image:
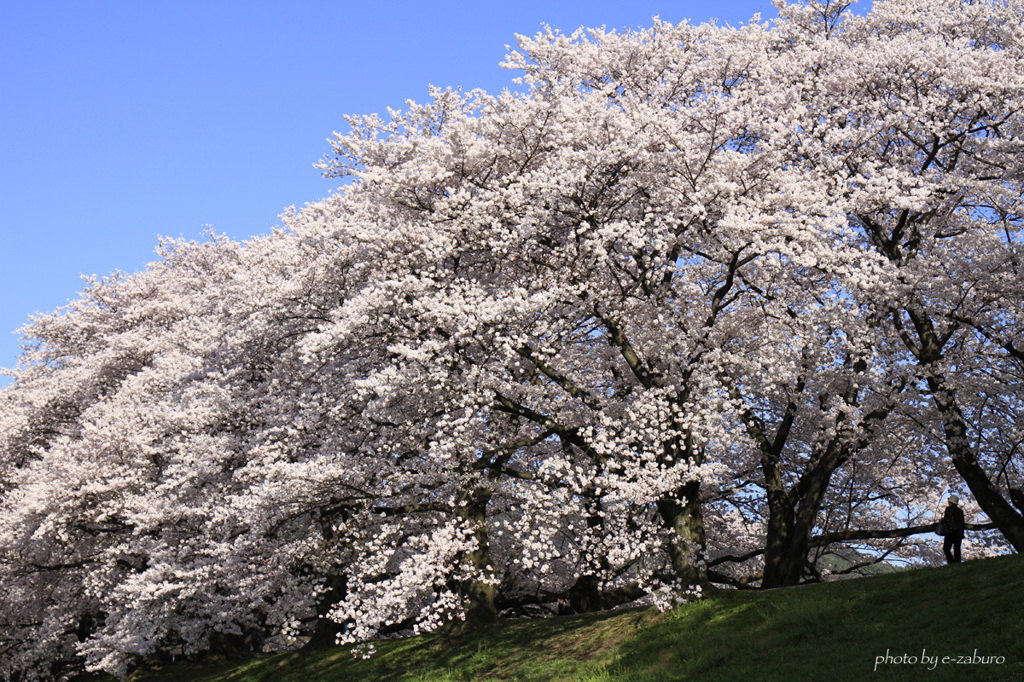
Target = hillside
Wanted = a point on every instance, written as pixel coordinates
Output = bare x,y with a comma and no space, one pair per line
970,613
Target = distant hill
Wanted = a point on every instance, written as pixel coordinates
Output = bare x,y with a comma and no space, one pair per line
967,621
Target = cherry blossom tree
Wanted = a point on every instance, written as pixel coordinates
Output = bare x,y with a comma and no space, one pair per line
929,179
695,307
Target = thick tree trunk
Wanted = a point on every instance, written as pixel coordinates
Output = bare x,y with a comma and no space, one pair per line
480,609
781,566
686,521
585,595
792,518
326,630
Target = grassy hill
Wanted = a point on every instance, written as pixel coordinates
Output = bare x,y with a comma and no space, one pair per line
961,615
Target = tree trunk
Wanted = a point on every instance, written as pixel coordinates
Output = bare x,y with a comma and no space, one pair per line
687,549
791,521
781,567
585,595
480,609
326,630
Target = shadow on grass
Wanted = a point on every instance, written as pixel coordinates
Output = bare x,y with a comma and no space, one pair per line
846,630
835,631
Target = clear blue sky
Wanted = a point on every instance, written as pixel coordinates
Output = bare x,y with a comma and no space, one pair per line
121,121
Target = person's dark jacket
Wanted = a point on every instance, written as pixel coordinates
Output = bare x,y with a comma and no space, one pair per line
953,521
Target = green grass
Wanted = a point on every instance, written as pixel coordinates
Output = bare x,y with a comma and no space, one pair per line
831,631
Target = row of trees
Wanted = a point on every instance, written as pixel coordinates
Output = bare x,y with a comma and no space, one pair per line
697,307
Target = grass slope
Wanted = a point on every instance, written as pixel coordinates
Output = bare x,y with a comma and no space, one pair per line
834,631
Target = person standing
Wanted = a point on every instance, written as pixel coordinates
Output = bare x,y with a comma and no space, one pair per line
953,530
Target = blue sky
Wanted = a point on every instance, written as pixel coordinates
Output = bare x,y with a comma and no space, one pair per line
122,121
